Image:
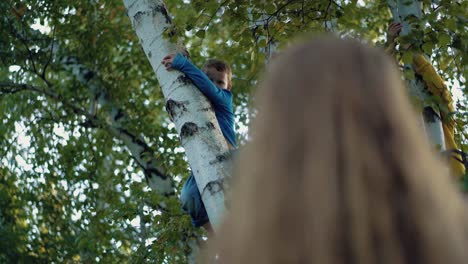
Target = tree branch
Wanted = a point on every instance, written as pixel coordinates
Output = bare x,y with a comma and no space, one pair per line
326,13
143,154
8,87
24,41
50,55
277,11
214,14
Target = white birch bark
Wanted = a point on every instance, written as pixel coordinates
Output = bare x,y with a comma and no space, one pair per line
402,9
190,111
330,25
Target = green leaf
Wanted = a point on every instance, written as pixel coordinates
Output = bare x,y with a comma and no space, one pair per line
427,47
457,43
270,8
200,33
451,24
444,39
94,163
252,55
407,57
409,74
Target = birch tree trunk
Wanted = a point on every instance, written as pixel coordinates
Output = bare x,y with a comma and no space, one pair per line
190,111
401,10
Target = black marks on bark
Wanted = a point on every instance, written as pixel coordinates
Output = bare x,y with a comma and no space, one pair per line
146,161
156,171
226,156
206,109
172,31
135,139
210,125
137,17
170,108
124,131
162,9
155,10
188,129
150,172
150,54
140,142
214,186
220,158
430,115
175,108
184,79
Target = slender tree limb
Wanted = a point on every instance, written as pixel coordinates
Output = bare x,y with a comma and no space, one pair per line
143,154
50,55
214,14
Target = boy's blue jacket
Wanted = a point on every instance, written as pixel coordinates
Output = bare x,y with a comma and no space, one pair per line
221,99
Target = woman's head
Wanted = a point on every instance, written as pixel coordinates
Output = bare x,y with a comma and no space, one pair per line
337,171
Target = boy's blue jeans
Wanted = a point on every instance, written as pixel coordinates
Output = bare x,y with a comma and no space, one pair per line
192,203
191,200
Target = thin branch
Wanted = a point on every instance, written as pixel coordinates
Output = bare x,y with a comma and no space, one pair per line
10,144
337,5
277,11
24,41
325,19
8,87
93,152
302,14
50,55
209,22
214,14
434,9
94,121
30,56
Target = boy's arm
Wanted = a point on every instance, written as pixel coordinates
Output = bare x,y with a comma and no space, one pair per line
202,82
393,31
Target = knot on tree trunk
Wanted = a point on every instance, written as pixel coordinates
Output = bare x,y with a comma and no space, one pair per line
188,129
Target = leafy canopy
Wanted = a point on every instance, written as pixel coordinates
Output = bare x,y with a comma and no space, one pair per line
70,190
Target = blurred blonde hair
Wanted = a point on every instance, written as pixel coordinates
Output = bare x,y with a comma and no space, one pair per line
337,171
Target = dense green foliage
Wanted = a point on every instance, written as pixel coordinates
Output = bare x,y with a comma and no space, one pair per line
69,190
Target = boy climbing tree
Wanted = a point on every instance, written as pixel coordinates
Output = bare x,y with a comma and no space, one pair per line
436,87
215,83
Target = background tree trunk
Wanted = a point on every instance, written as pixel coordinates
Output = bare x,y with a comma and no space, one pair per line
115,117
401,11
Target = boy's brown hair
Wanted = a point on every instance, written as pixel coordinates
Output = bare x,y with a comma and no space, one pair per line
220,66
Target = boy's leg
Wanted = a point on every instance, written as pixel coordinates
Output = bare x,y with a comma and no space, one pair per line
192,203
